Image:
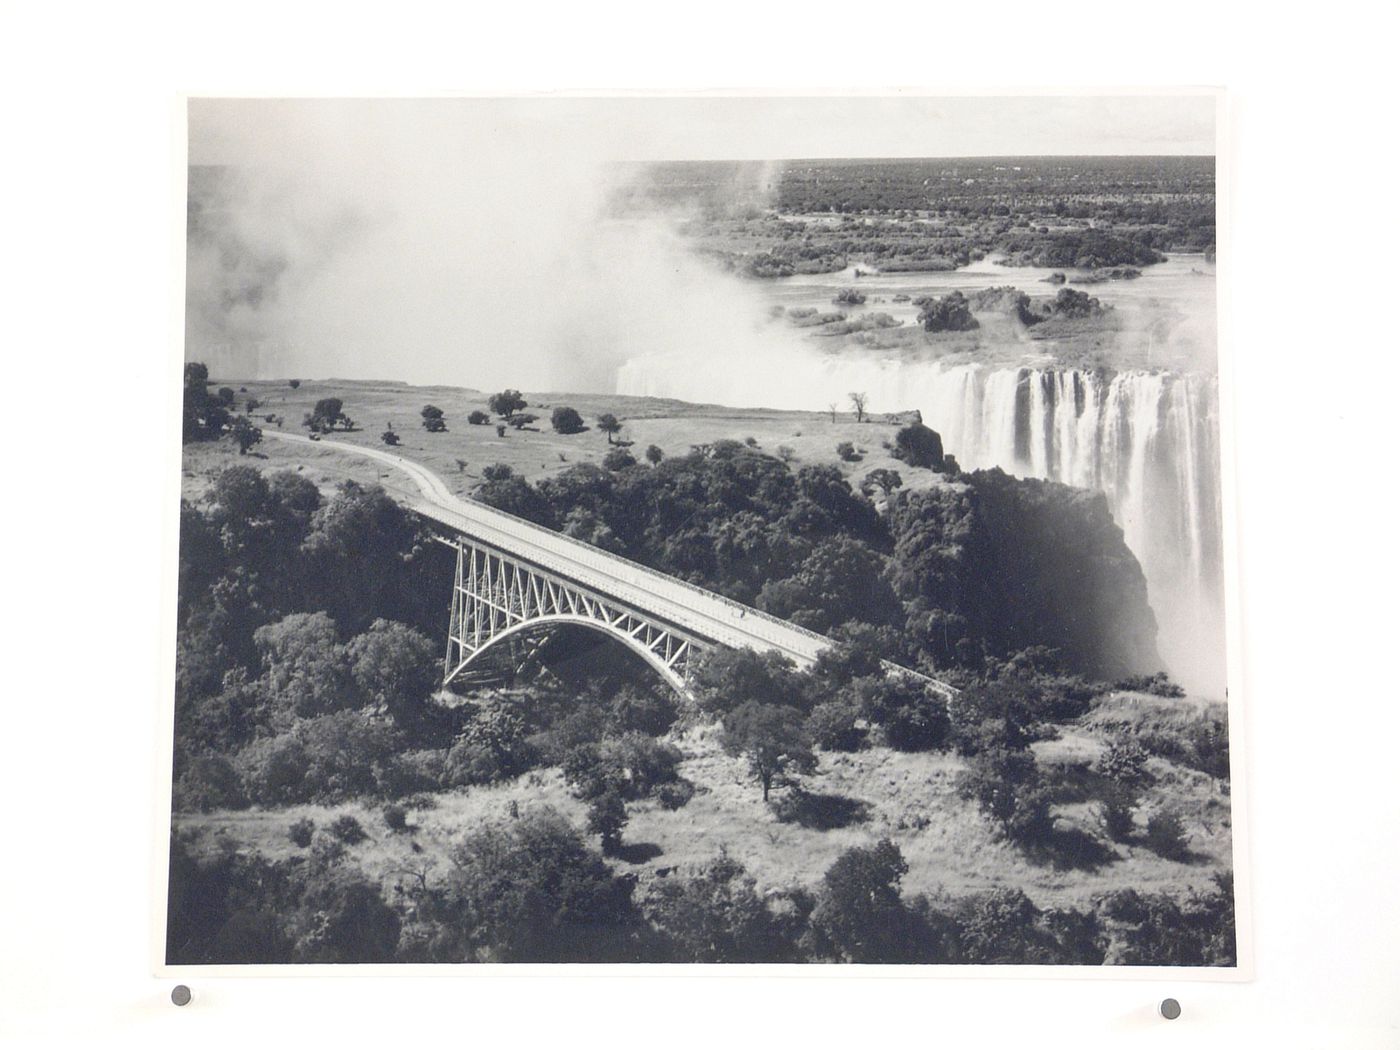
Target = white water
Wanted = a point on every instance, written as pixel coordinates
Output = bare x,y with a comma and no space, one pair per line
1147,440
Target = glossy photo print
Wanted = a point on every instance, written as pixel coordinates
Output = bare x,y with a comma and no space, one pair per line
702,530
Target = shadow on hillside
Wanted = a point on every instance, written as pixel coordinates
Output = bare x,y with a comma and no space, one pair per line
1073,849
820,812
637,852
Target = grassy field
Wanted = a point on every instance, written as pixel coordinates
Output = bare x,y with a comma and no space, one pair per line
909,797
673,426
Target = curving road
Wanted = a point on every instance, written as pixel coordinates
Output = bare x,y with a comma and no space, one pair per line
710,616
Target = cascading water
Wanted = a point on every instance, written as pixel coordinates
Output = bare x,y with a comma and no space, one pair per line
1148,440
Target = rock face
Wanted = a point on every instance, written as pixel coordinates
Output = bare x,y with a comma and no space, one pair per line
1017,563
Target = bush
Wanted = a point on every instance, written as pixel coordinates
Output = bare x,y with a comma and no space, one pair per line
500,430
1007,787
919,446
718,916
301,831
859,916
433,421
478,418
619,459
294,383
911,716
1166,834
949,313
847,451
395,818
566,420
833,726
348,830
675,793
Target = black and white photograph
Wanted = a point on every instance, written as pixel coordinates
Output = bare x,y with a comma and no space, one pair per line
618,530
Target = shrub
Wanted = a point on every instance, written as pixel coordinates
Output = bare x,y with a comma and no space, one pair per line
654,454
833,726
675,793
478,418
619,459
506,403
847,451
1166,834
911,716
500,430
395,818
949,313
1006,785
1122,768
433,421
348,830
566,420
389,438
294,383
301,831
919,446
343,918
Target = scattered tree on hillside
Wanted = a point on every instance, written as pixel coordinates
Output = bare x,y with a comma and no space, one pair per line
294,383
389,437
609,425
326,416
774,740
654,454
566,420
521,420
204,417
860,916
433,422
884,479
478,418
506,403
858,401
245,434
226,396
253,404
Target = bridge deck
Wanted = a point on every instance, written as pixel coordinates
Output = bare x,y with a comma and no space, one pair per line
710,616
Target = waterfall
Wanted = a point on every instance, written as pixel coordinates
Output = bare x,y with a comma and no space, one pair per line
1148,440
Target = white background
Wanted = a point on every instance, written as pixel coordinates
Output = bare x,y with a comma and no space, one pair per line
90,248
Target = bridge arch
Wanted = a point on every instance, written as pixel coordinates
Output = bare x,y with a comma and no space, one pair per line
497,598
656,661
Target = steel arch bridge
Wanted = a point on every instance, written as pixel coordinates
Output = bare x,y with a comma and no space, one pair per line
514,580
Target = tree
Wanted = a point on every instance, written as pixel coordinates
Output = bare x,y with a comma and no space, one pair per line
718,916
654,455
566,420
847,451
607,815
326,416
832,409
919,446
204,417
884,479
226,396
294,383
912,716
433,422
1122,768
245,434
389,437
609,425
725,678
529,890
860,916
253,404
774,740
521,420
949,313
478,418
506,403
394,666
858,401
